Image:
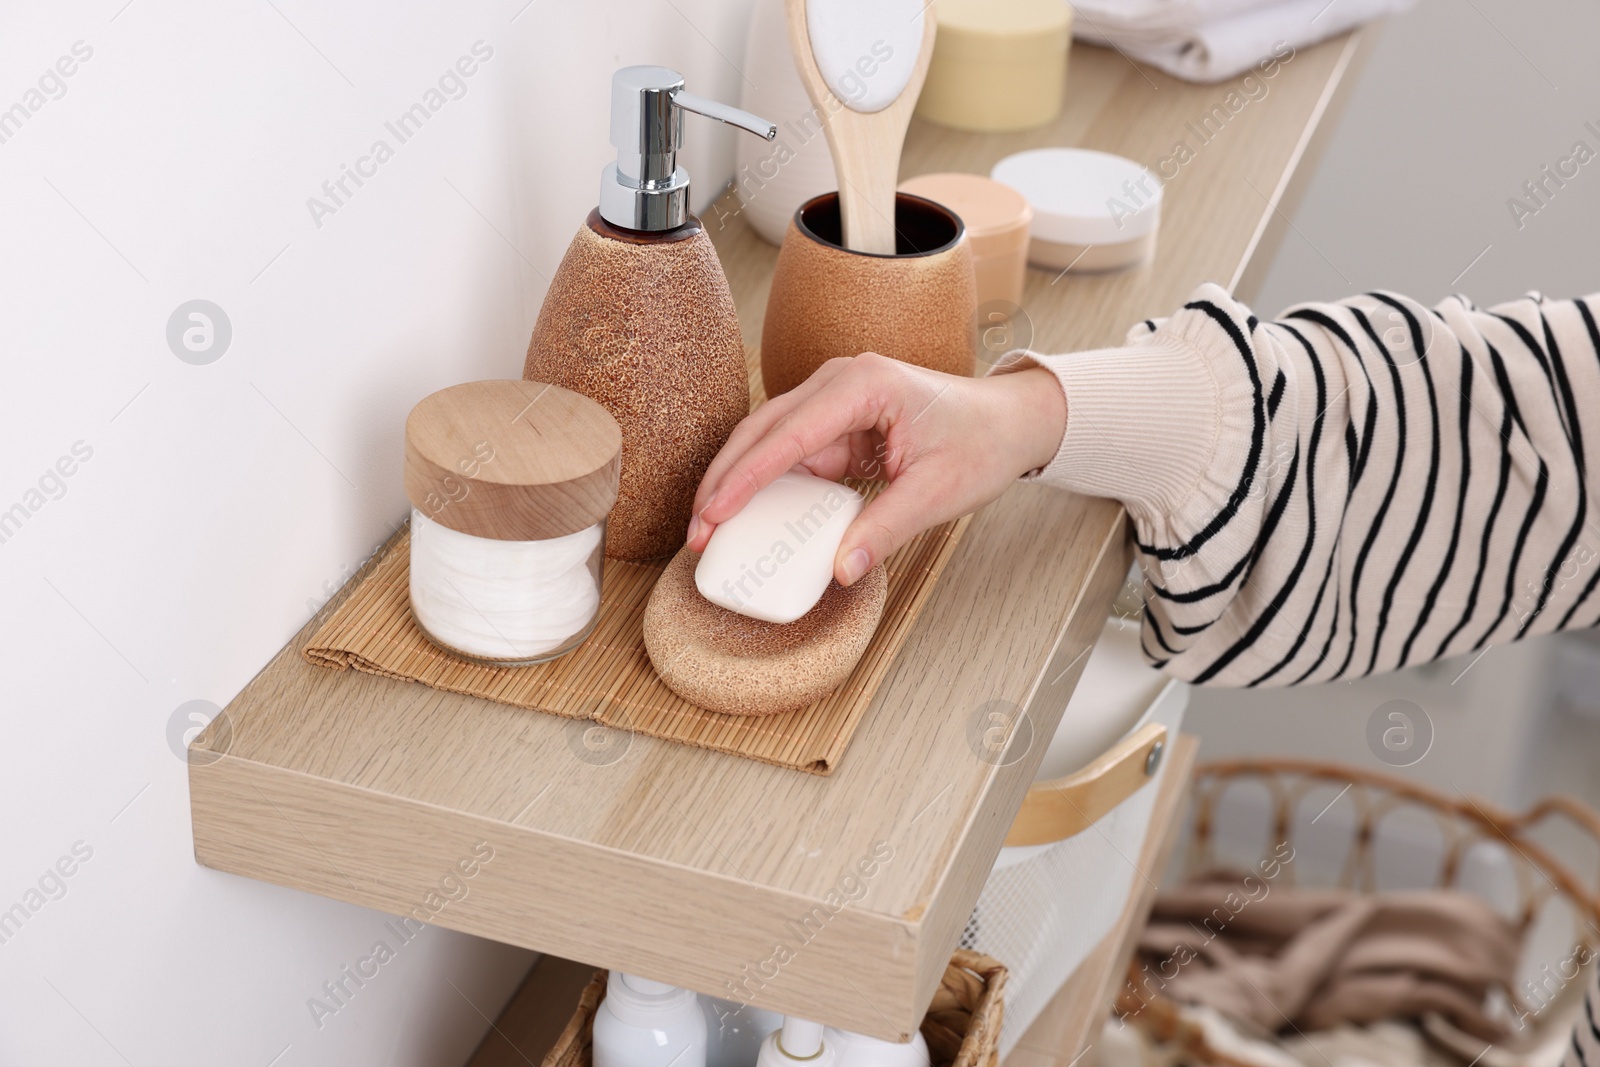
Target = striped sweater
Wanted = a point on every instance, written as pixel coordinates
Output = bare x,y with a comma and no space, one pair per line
1350,488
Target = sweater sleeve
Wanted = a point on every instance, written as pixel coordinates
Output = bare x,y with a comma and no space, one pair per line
1354,487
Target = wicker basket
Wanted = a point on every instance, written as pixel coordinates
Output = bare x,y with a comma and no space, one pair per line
1368,824
962,1026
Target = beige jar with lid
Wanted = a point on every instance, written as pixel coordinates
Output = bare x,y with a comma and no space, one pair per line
510,483
996,218
998,65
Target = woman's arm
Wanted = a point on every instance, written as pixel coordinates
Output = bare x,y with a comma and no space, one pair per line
1351,488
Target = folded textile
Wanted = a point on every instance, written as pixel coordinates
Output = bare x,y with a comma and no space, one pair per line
1213,40
1312,959
1149,23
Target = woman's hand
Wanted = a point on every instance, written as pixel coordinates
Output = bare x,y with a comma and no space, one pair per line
946,445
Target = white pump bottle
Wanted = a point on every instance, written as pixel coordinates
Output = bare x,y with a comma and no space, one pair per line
798,1044
645,1023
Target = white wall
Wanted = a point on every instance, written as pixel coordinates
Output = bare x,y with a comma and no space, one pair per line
218,503
1459,105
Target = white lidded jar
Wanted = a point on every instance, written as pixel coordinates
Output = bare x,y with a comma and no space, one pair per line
1092,211
734,1031
510,483
645,1023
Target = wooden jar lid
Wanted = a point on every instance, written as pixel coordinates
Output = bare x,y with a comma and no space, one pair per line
512,460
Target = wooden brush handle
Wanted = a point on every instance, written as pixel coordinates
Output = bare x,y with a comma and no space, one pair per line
867,179
866,145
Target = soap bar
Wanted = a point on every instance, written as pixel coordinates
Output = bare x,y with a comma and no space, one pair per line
773,560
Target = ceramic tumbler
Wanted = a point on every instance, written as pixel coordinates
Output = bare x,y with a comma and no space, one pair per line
918,305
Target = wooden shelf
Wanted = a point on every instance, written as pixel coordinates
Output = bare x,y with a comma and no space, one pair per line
548,996
694,867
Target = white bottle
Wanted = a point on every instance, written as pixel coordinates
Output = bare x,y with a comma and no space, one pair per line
858,1050
734,1031
644,1023
799,1042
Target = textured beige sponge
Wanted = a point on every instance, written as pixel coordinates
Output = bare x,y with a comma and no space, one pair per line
723,661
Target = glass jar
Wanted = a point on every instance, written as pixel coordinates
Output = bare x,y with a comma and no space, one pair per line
510,483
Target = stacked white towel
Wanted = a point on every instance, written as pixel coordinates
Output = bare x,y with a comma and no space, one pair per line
1212,40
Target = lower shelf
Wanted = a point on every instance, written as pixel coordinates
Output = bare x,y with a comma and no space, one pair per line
535,1016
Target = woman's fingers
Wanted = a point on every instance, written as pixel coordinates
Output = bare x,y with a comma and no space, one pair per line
945,445
840,422
755,425
839,407
832,463
904,509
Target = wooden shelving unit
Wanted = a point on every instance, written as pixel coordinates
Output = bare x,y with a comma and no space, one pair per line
690,866
549,994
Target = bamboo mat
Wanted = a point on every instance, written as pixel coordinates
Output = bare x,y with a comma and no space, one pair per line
609,678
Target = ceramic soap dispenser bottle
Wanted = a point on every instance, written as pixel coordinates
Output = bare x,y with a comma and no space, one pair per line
639,317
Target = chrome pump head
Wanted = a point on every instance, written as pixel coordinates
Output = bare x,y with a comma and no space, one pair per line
645,189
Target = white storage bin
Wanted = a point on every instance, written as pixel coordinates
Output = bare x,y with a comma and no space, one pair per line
1068,868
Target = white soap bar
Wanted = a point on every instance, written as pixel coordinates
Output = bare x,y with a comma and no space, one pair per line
774,560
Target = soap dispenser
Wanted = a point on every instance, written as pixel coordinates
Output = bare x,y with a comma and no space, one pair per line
645,1023
639,317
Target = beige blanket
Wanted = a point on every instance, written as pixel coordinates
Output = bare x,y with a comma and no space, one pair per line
1309,959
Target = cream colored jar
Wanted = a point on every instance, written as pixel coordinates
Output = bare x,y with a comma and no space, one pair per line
997,65
996,217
